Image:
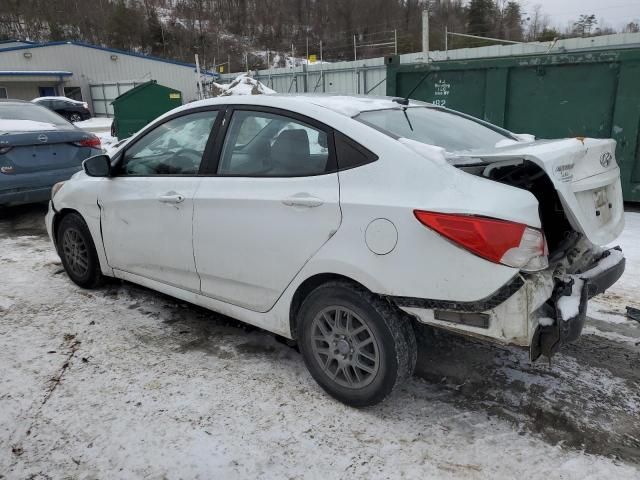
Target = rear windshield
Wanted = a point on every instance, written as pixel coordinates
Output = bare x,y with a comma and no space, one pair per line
31,113
453,131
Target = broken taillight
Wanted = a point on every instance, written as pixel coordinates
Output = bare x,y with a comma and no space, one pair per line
499,241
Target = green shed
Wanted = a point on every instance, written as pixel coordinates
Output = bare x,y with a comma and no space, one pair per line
586,93
139,106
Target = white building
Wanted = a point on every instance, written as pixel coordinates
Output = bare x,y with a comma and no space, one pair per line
81,71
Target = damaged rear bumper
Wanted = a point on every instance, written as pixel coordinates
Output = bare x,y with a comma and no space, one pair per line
566,311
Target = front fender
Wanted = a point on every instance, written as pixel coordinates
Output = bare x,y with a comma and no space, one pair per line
80,195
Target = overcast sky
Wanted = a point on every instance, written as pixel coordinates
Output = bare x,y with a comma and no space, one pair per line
616,13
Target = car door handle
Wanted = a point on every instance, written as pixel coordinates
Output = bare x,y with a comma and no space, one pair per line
306,201
171,198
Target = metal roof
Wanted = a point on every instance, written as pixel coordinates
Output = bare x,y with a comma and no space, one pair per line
105,49
35,73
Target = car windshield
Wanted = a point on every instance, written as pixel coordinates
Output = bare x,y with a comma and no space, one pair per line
29,113
453,131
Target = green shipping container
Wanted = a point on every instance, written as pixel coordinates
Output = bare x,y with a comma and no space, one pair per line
588,93
139,106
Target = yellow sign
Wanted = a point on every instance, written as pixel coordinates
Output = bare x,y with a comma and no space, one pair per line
174,96
221,68
313,58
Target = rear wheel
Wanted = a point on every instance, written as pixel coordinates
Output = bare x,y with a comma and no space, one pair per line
356,346
78,252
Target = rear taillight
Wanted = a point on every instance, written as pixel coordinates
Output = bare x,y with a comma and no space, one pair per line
509,243
93,142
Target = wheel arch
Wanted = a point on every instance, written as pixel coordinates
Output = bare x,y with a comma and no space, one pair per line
306,287
56,222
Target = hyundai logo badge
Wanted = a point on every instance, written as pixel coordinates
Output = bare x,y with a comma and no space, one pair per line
43,138
605,159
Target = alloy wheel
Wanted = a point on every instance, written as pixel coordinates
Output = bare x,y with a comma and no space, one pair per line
345,347
75,252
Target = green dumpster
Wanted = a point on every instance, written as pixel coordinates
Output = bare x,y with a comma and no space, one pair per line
588,93
139,106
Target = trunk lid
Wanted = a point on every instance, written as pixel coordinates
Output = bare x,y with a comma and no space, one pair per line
583,171
37,151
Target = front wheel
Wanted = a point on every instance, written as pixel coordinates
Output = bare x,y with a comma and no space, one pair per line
78,252
75,117
356,346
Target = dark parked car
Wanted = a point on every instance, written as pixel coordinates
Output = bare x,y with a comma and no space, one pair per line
72,110
38,148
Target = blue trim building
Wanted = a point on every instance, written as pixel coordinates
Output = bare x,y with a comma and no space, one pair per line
86,72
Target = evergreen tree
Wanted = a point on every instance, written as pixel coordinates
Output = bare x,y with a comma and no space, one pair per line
481,15
512,22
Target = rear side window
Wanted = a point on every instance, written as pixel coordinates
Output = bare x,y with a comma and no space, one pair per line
453,131
32,112
351,154
261,144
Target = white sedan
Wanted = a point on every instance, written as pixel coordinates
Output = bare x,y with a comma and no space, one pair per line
340,222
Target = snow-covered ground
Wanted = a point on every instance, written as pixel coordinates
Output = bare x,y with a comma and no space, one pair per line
123,382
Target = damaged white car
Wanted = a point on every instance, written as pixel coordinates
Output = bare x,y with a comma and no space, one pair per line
340,221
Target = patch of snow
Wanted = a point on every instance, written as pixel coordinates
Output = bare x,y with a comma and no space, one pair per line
611,260
25,126
546,321
95,123
351,105
242,85
525,137
157,389
506,142
625,291
569,305
112,145
616,337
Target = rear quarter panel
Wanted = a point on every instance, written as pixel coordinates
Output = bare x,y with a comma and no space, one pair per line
423,264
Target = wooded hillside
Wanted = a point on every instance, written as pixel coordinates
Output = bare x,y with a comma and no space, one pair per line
221,29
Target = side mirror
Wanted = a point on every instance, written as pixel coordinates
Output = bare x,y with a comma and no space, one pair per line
97,166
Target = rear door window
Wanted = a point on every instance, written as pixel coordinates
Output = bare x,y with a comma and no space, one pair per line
264,144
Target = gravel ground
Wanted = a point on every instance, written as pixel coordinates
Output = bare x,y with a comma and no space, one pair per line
123,382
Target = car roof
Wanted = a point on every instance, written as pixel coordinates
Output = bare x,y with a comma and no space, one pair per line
62,99
348,105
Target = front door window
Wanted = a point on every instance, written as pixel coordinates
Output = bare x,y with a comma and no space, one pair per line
173,148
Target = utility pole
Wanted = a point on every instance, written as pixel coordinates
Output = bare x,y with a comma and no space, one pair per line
199,79
425,32
307,49
293,61
246,60
355,49
321,68
268,59
446,42
395,41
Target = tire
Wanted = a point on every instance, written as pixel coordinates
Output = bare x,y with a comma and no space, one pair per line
78,252
363,356
75,117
